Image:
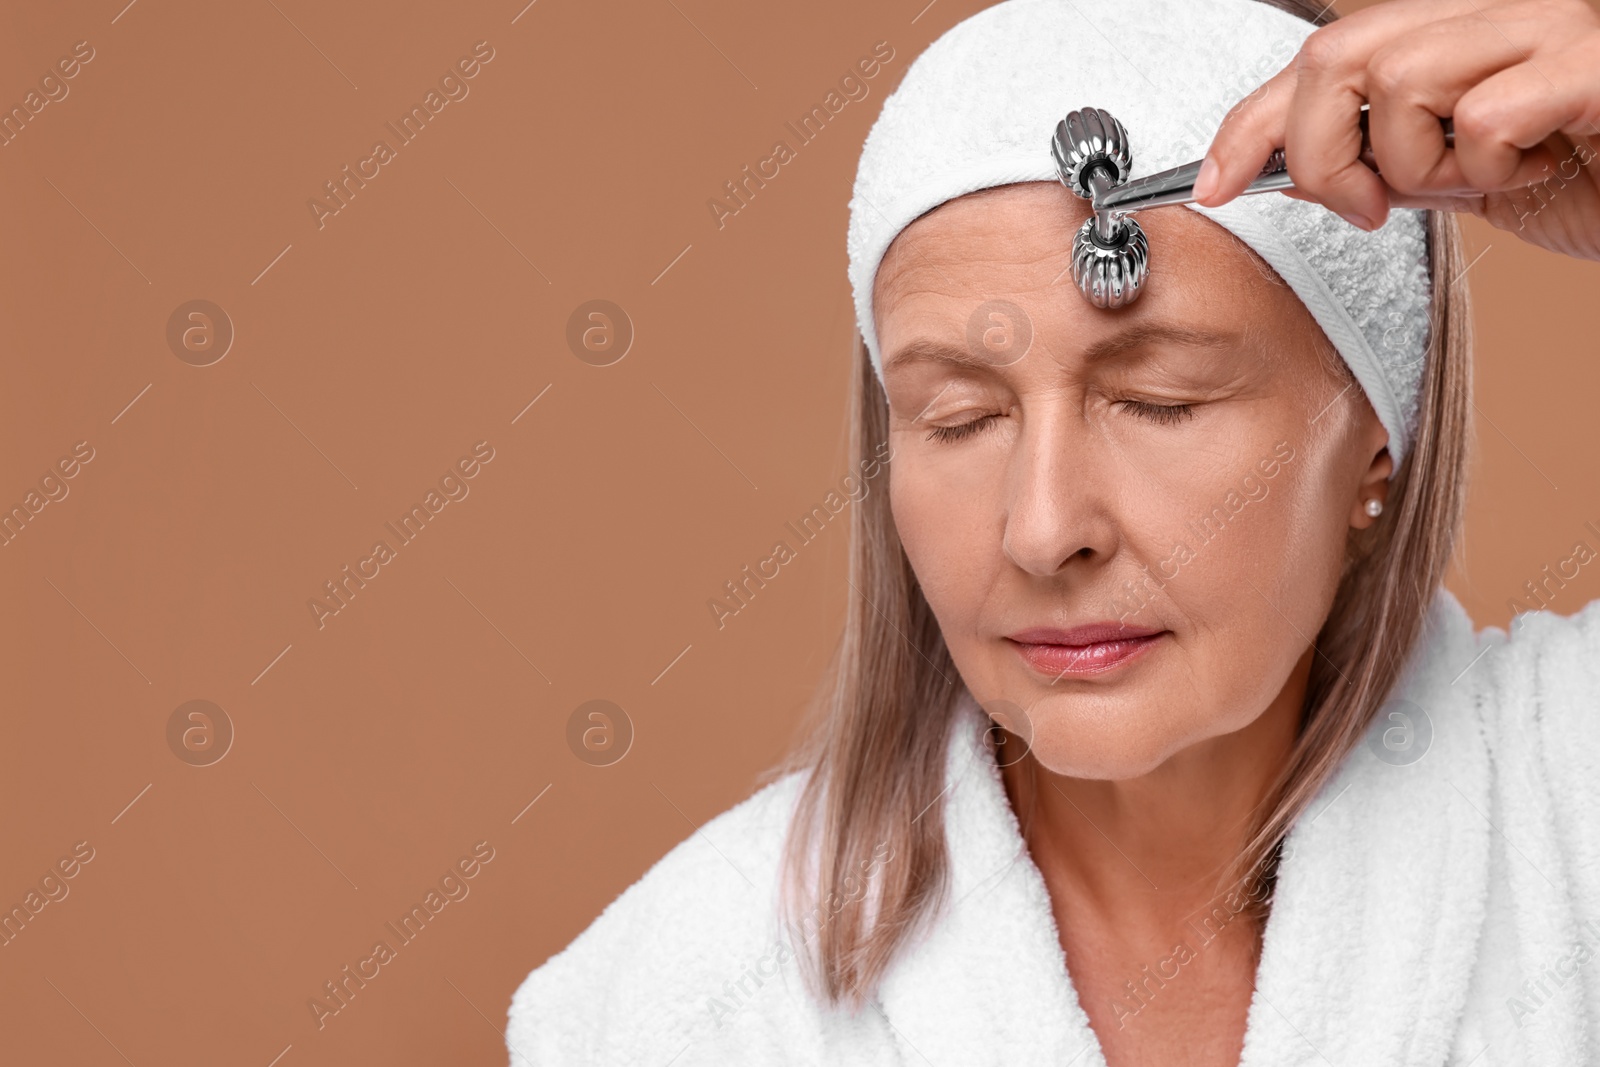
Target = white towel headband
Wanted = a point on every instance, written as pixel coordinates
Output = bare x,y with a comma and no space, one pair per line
977,108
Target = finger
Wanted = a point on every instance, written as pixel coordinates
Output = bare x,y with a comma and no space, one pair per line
1322,139
1504,125
1413,82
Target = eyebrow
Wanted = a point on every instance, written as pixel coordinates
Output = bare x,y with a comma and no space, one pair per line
928,350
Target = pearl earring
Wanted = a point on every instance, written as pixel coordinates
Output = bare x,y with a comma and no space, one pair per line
1374,507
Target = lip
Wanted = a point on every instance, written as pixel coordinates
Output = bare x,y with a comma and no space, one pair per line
1083,650
1087,634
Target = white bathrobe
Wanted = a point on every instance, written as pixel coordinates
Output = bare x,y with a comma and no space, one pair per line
1441,912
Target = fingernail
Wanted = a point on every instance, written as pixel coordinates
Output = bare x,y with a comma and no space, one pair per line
1360,222
1205,183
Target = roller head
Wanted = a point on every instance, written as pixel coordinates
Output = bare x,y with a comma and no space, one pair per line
1086,139
1111,276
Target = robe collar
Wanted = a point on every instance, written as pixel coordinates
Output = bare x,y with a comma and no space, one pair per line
1367,952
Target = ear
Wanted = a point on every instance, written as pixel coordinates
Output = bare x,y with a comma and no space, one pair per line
1374,486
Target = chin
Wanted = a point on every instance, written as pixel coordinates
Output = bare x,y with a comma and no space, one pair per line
1106,738
1098,749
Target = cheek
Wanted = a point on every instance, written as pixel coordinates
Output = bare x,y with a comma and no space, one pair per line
1264,557
947,539
1309,529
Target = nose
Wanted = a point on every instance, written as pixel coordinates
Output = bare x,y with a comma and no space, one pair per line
1061,494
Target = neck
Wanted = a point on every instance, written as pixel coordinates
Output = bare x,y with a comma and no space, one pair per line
1152,851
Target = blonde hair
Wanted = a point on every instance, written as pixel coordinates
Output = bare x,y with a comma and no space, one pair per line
875,739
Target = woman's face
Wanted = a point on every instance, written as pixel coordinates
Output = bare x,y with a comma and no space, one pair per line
1181,474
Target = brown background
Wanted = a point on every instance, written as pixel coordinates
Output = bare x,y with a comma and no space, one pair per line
372,753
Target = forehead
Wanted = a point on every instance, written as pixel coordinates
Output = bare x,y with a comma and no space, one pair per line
1014,242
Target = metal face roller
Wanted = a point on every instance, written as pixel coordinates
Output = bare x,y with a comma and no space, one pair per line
1110,256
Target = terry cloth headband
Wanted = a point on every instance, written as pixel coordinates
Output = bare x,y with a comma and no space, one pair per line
979,106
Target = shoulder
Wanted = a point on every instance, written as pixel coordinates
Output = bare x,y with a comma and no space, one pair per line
1536,686
1540,679
1533,693
1539,701
650,972
1544,676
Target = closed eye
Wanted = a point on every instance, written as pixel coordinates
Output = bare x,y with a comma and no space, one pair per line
1167,414
965,429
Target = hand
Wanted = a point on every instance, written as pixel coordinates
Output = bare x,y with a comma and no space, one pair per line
1520,80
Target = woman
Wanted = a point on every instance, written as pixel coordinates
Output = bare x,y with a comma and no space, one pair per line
1259,794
